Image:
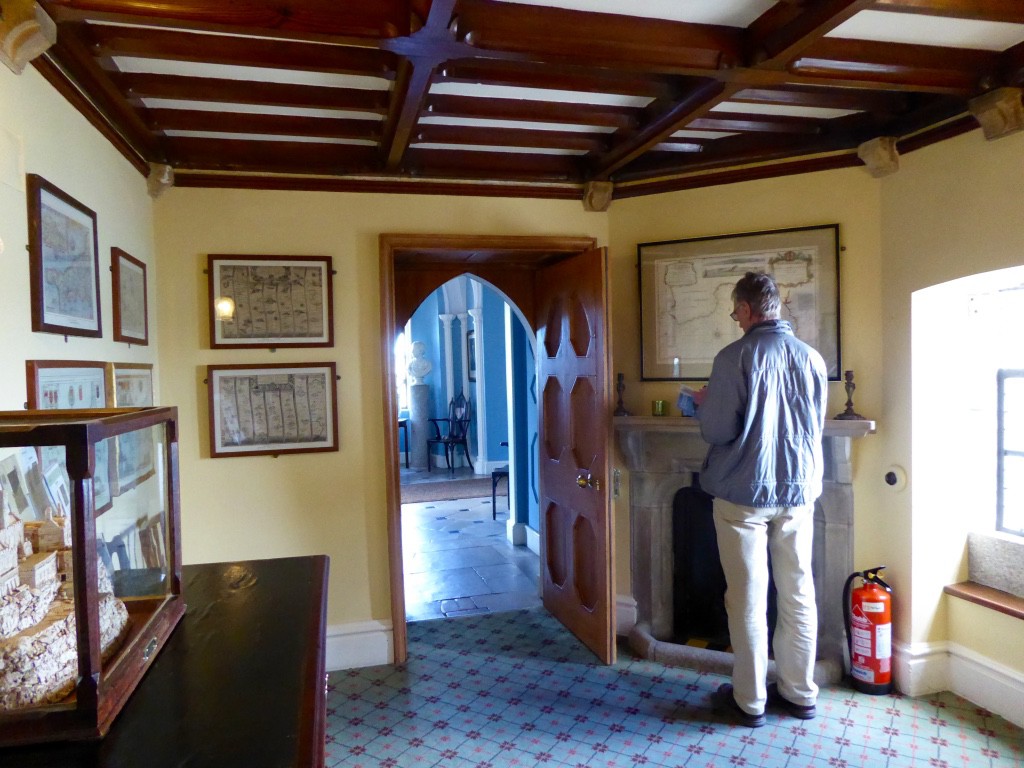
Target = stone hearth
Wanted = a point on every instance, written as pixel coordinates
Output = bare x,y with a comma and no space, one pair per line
662,455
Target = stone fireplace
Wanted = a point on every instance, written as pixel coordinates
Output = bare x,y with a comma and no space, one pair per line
662,455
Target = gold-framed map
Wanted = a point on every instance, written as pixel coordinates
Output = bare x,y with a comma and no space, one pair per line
279,301
272,409
686,289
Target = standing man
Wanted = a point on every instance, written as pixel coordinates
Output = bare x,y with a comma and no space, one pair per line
762,414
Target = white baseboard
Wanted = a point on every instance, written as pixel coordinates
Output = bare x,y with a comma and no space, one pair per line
533,541
924,668
982,681
359,644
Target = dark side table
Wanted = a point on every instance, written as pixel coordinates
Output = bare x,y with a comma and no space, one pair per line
240,684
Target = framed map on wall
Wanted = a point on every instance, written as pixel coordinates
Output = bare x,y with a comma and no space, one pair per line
686,295
279,301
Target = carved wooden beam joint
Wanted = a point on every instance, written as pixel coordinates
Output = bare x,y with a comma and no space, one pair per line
25,32
1000,112
880,156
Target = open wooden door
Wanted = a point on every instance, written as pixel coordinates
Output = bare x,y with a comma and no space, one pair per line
575,417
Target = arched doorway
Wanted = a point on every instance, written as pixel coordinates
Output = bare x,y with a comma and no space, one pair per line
560,285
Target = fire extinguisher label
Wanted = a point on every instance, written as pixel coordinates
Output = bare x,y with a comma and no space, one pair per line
883,641
873,607
862,641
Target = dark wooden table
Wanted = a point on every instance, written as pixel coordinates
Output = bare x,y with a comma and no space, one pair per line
240,683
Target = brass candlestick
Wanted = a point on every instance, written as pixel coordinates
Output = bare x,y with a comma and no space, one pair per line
849,413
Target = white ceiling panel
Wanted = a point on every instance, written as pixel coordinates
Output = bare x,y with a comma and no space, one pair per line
257,109
731,13
250,74
479,122
917,29
786,110
268,137
538,94
488,148
686,134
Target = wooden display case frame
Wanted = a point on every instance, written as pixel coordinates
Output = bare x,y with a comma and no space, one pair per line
103,688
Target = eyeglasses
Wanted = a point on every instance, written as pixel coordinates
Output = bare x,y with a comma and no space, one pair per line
733,315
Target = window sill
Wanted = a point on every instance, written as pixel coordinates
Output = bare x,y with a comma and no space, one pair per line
988,597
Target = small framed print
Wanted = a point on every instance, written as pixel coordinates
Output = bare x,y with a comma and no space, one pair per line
279,301
131,315
272,409
130,385
73,384
63,262
471,355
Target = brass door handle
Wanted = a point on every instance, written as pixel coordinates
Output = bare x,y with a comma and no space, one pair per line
585,480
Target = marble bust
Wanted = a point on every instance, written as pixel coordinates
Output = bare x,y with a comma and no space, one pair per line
419,366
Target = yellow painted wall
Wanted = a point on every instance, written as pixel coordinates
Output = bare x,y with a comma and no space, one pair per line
986,632
847,197
40,133
253,507
953,210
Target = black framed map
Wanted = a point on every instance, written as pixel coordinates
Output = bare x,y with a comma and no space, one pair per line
686,295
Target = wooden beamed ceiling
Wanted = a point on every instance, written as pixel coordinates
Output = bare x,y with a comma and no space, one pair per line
495,97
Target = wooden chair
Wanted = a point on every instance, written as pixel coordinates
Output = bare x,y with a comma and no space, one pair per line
452,432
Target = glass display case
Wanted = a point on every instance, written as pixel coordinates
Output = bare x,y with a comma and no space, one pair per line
90,564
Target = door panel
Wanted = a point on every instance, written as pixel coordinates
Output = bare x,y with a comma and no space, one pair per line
576,560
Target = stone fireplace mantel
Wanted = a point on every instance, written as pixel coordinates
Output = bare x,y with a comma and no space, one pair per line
662,455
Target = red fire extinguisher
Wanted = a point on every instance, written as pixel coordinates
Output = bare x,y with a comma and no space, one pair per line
868,613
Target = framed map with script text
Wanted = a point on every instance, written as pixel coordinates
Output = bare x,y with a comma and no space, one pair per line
272,409
686,295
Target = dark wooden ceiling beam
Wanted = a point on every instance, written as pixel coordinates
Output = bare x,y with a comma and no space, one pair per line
139,42
1011,67
786,29
81,68
275,125
511,137
598,39
415,75
695,104
953,70
491,165
531,111
272,156
824,98
324,18
565,77
1007,11
731,121
136,85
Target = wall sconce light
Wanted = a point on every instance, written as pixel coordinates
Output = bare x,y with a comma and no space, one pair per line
224,307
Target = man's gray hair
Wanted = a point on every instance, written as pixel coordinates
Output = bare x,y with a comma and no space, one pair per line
758,289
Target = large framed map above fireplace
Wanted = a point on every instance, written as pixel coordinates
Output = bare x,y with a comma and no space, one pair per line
686,295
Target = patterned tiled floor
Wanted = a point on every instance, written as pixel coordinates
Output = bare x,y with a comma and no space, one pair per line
516,689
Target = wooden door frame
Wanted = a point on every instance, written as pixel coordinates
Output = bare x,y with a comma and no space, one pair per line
491,257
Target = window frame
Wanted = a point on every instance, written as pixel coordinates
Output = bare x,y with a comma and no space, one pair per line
1001,451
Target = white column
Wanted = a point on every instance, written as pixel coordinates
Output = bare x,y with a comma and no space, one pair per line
449,360
481,391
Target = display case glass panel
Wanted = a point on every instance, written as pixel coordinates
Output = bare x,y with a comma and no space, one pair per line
90,564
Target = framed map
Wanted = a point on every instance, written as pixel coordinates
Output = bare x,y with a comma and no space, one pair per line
63,262
272,409
72,384
131,317
686,295
280,301
131,386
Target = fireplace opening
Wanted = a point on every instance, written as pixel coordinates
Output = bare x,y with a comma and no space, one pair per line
699,617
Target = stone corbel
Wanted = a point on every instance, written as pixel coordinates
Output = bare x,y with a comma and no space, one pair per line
25,32
879,155
597,196
1000,112
160,179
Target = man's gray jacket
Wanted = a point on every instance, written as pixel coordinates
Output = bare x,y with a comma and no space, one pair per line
763,417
